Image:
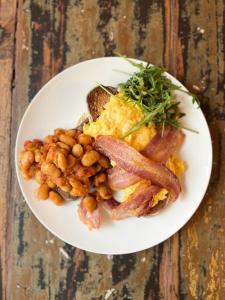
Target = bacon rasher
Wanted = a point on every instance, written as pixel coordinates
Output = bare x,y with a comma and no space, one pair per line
133,162
138,203
160,148
92,220
164,144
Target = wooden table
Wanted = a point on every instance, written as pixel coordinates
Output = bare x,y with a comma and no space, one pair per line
38,39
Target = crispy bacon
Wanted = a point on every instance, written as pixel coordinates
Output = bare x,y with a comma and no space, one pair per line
92,220
119,179
138,204
163,145
160,148
133,162
112,203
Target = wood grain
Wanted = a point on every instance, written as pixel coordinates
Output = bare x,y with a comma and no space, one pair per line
202,240
38,39
7,55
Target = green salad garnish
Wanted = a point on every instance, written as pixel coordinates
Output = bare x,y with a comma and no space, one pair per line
150,89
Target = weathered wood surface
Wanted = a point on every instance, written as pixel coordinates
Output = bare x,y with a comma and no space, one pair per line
40,38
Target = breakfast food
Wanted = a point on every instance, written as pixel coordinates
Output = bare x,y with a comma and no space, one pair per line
129,143
64,165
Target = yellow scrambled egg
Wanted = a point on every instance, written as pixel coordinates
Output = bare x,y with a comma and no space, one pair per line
117,118
176,165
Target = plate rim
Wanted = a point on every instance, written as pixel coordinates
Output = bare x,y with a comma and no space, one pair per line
19,132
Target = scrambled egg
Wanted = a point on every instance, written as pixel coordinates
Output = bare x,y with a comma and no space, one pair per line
176,165
130,189
160,196
118,117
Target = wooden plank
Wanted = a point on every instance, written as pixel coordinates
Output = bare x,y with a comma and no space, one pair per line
202,239
173,62
7,34
34,271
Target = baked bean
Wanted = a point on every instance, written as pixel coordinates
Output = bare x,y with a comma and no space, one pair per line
38,177
61,161
63,184
26,159
99,179
104,192
37,155
63,146
78,192
56,198
32,170
50,183
25,173
104,162
68,172
59,131
66,188
32,145
86,181
85,172
98,168
60,181
84,139
43,191
90,158
28,173
77,166
44,151
75,182
49,139
89,203
50,170
78,189
68,140
71,132
64,151
51,155
71,160
88,148
77,150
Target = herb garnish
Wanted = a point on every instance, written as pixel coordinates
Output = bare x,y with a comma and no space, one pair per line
154,93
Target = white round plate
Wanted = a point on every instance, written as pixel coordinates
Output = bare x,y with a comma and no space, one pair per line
60,103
